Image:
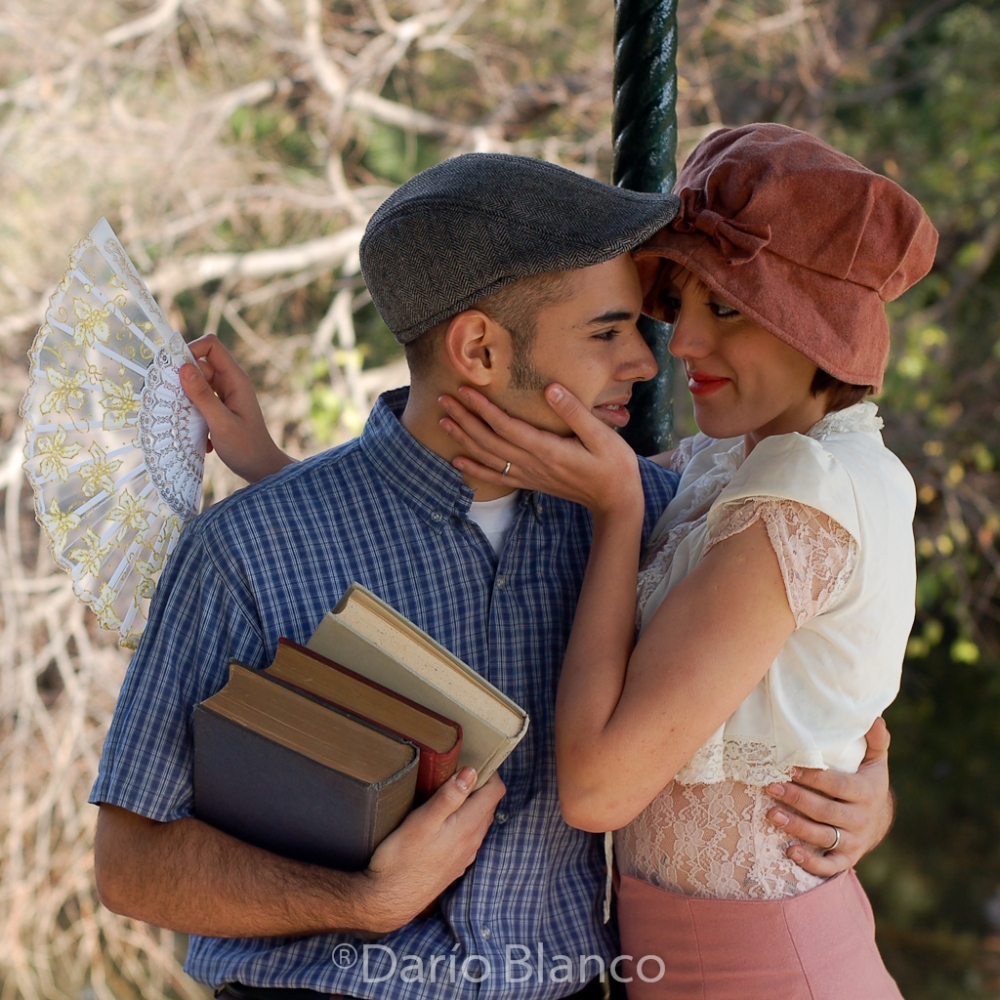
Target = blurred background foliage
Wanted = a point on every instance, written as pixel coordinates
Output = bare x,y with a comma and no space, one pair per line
238,146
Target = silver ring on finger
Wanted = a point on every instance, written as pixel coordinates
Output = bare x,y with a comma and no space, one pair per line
506,469
836,839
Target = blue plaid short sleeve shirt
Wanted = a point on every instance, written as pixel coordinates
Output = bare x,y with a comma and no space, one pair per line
270,561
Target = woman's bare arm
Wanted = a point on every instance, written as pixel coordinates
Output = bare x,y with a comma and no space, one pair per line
814,801
225,397
711,641
627,721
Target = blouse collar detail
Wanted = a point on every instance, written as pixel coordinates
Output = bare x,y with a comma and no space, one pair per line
861,417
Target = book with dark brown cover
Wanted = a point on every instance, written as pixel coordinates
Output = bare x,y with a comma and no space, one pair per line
322,678
295,777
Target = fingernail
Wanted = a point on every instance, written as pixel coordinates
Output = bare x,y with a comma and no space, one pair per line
775,791
795,774
779,818
555,393
465,778
797,856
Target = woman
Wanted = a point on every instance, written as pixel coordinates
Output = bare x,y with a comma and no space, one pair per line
776,596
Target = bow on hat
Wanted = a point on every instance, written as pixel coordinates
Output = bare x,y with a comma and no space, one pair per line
738,242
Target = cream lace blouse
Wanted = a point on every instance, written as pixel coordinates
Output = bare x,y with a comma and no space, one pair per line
838,507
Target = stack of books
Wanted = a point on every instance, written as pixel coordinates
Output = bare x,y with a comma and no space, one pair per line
322,754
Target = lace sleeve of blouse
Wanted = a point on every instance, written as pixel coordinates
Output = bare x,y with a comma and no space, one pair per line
677,459
816,555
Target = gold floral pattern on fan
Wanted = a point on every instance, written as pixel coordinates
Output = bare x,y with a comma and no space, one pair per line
115,452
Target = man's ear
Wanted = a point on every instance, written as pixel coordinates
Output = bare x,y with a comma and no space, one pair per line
477,348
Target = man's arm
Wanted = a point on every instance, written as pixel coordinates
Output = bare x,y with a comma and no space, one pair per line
187,876
860,805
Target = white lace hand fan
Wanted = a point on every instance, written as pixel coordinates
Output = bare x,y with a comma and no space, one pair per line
115,452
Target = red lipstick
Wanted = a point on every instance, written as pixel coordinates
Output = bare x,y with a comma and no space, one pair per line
702,384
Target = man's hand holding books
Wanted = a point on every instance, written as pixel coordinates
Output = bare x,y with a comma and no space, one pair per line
431,848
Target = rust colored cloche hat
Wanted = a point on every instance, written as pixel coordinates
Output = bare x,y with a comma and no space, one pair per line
801,239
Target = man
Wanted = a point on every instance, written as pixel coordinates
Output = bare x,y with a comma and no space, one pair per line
502,273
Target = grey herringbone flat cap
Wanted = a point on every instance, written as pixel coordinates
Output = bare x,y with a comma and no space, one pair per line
462,230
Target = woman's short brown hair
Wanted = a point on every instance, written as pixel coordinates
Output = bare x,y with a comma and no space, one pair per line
839,394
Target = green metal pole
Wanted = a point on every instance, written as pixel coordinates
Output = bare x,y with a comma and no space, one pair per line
645,148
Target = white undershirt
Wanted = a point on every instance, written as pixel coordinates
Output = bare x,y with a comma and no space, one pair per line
495,517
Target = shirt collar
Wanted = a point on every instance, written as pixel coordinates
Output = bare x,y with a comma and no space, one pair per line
432,486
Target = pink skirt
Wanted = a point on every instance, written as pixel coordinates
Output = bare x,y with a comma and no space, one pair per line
819,945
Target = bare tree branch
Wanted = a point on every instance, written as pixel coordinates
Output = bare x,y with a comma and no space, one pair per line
159,18
191,272
393,113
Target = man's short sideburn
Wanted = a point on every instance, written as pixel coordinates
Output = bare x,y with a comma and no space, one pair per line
516,309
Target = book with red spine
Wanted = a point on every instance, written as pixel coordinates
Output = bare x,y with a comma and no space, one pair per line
438,739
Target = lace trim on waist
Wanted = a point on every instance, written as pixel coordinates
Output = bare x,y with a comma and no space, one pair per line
749,761
711,841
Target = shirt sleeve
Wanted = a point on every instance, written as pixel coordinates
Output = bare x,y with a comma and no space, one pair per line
816,555
199,619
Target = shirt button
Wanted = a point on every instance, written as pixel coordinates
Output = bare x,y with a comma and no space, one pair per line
436,516
501,817
486,932
501,581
